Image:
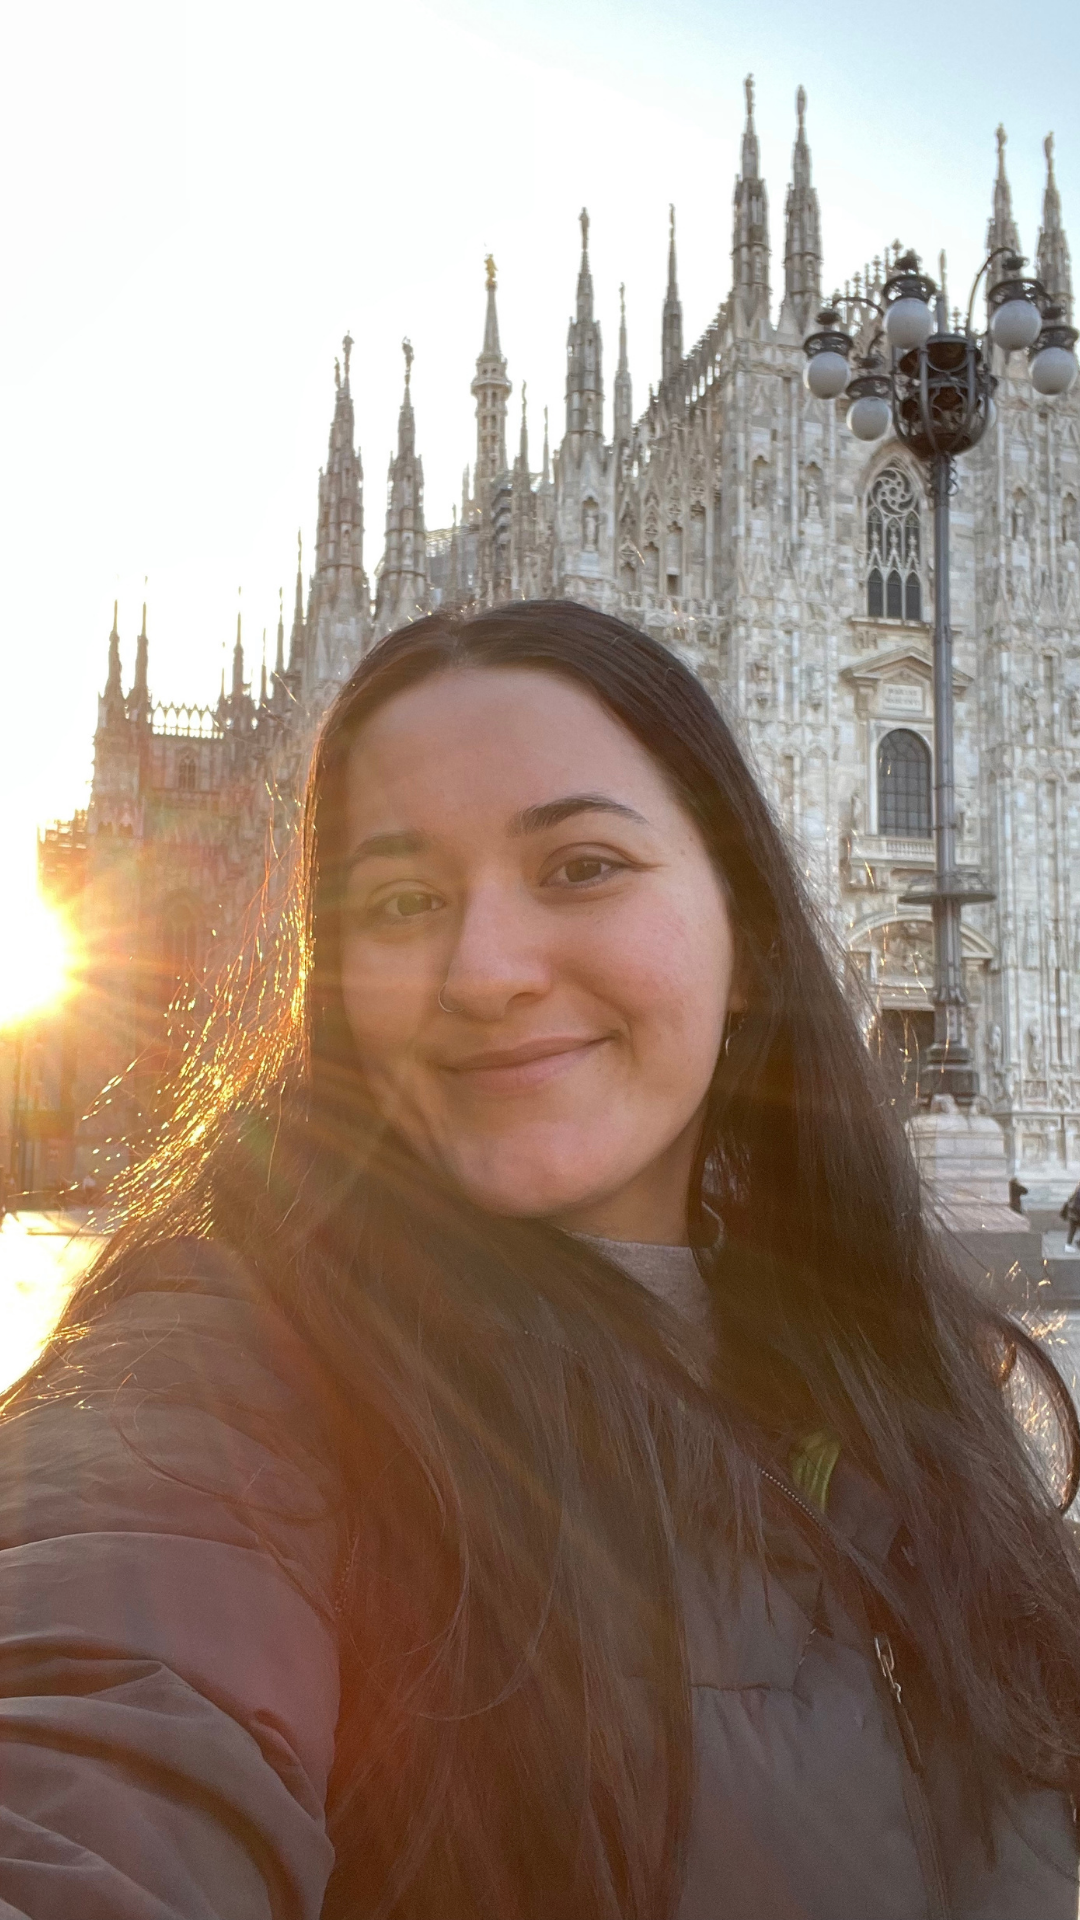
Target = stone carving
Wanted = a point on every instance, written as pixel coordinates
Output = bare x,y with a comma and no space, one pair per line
697,478
761,680
811,492
1031,956
1020,517
1029,714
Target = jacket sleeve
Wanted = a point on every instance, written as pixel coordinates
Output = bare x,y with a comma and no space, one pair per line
168,1660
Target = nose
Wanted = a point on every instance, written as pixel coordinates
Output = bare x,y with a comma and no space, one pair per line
499,956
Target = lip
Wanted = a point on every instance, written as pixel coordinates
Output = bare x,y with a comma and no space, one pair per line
513,1069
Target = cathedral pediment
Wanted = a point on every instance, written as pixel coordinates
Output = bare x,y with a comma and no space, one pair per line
909,666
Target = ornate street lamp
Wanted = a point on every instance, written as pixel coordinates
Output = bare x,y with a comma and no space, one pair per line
937,391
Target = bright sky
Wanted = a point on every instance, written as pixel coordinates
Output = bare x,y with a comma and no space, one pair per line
199,200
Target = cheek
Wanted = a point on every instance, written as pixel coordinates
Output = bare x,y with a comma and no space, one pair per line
670,972
385,995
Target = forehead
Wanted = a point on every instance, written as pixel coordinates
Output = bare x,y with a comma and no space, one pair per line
475,739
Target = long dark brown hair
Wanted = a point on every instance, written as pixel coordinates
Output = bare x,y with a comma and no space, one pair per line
520,1435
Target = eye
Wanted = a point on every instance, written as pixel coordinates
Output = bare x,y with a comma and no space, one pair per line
408,903
585,869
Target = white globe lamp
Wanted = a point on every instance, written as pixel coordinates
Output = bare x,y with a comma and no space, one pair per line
869,416
826,375
908,323
1053,370
1016,325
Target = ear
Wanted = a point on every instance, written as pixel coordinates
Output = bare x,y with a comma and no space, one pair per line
738,998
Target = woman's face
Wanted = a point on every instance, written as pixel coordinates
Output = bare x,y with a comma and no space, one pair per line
512,849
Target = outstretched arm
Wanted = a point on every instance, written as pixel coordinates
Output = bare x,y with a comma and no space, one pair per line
168,1661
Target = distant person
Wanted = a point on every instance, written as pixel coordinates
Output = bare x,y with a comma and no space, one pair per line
1016,1195
1070,1213
526,1457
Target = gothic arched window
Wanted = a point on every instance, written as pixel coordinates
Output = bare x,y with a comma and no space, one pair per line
893,548
187,776
904,784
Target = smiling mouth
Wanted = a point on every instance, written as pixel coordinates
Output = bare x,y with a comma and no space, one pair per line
515,1069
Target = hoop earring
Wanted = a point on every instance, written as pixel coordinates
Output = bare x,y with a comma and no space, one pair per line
442,1002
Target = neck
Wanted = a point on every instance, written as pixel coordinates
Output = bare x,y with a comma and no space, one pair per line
642,1214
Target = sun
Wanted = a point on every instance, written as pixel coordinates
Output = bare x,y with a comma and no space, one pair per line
35,958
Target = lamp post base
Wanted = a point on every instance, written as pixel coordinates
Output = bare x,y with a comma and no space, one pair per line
948,1071
962,1160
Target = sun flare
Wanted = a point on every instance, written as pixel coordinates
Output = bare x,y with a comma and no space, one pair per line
35,958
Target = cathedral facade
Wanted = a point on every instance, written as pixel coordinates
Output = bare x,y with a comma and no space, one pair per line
737,520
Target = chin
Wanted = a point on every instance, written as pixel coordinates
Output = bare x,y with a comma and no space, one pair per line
529,1188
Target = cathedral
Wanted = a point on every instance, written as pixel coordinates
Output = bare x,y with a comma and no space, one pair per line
736,519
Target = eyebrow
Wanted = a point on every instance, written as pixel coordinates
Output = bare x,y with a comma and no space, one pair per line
554,812
404,841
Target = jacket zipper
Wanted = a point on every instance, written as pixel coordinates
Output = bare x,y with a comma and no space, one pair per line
918,1805
887,1662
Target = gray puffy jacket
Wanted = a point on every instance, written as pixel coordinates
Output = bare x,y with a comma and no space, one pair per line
169,1676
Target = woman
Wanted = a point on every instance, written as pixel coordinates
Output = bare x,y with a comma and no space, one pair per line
527,1457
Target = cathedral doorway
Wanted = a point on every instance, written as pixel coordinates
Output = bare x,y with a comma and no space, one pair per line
899,1040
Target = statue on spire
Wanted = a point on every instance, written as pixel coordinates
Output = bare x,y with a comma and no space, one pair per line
1002,232
750,235
671,335
489,264
584,229
1052,261
346,348
407,350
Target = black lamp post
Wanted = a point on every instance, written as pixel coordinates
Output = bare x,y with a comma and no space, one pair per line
937,392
